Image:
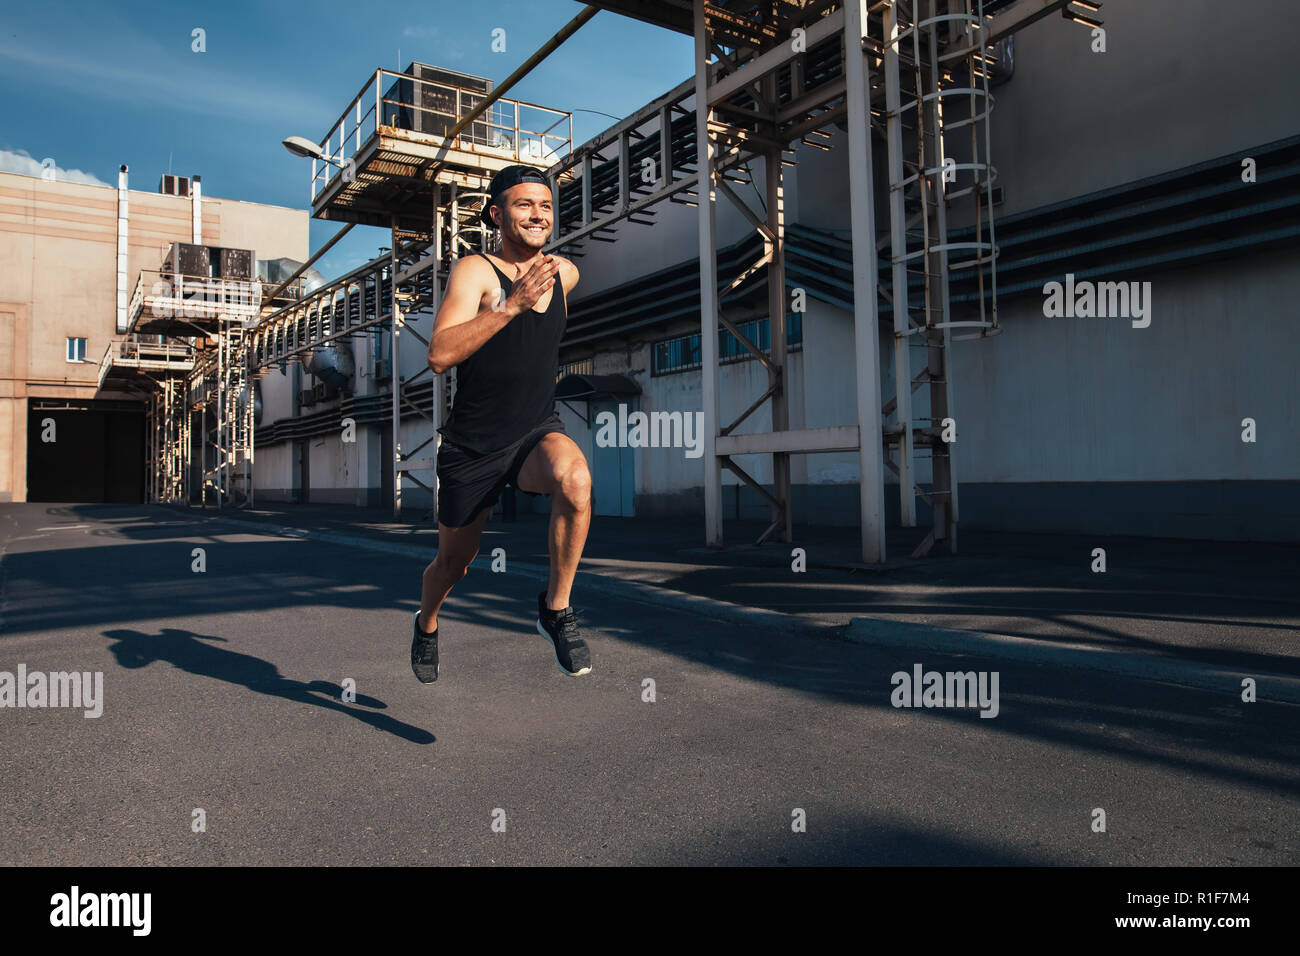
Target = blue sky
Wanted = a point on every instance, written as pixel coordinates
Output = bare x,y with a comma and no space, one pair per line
95,85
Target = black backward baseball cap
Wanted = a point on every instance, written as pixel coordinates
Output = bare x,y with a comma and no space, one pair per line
508,177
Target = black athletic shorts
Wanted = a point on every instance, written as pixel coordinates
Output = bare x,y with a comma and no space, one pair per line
469,481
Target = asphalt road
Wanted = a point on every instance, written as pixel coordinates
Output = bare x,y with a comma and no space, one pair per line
222,692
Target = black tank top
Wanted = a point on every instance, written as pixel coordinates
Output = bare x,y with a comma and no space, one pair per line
507,387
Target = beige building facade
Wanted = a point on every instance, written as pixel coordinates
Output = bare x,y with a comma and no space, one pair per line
61,297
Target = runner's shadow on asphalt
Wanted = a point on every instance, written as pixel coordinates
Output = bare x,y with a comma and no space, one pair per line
188,652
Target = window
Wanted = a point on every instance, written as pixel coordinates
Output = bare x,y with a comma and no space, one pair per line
682,354
581,367
676,355
76,350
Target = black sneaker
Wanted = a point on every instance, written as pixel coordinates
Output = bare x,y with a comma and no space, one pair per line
424,654
561,629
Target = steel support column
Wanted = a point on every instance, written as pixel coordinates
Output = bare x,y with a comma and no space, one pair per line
862,214
219,458
708,284
778,373
396,381
940,340
438,382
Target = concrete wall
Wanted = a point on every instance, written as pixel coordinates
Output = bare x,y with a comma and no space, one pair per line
13,401
342,472
1180,81
272,232
58,246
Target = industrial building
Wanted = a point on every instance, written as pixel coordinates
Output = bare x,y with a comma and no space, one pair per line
1012,264
1124,165
74,259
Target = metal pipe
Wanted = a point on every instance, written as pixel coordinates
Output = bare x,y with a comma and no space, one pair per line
123,225
196,207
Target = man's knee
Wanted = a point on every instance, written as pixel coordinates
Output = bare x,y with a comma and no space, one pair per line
451,565
574,483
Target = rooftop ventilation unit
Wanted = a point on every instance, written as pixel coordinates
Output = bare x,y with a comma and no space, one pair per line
437,103
209,262
174,185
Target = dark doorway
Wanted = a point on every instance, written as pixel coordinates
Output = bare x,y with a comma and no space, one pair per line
90,453
301,471
386,466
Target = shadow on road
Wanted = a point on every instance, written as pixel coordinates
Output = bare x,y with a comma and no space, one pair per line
189,652
1209,736
860,840
1221,603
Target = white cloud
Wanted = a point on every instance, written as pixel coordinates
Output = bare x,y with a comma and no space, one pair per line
421,33
20,161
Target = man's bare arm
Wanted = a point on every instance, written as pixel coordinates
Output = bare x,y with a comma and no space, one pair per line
568,274
460,329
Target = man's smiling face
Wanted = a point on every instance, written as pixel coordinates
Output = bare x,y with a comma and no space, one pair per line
524,214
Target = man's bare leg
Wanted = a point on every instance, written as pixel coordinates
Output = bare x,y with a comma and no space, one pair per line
457,548
556,467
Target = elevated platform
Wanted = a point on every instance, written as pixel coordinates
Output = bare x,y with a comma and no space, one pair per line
166,304
135,366
388,151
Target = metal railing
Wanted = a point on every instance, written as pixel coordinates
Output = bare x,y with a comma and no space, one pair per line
161,294
514,129
166,356
357,300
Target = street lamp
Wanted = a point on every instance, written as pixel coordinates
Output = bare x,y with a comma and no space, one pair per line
302,146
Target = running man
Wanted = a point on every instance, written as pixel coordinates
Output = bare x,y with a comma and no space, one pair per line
500,326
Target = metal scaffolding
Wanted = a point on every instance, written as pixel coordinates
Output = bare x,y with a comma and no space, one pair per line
760,102
198,324
913,75
158,374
